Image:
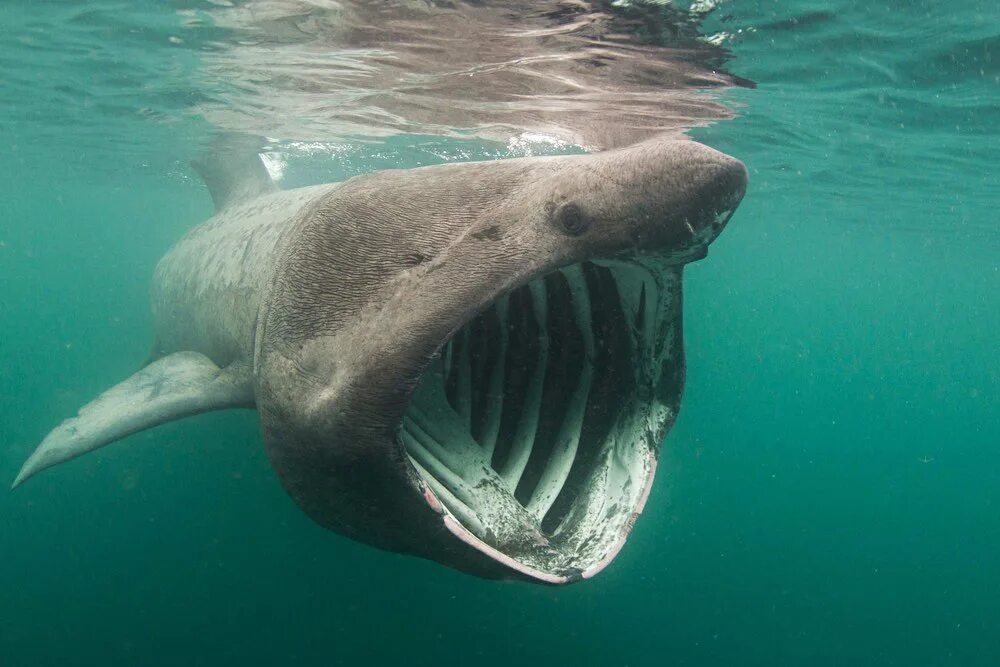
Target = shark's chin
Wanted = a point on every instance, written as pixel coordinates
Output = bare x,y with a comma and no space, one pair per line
536,429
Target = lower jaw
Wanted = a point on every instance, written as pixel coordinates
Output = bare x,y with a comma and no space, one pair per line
537,427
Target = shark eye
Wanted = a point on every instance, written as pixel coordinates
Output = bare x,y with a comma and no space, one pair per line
571,219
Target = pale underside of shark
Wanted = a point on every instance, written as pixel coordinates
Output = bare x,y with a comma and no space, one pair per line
476,363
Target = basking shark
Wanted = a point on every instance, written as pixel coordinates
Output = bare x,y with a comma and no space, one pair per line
471,362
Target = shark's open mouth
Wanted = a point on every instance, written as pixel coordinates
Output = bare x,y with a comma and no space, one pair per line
538,425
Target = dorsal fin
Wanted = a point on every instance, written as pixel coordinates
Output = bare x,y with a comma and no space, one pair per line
233,170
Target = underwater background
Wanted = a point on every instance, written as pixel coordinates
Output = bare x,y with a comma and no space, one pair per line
830,494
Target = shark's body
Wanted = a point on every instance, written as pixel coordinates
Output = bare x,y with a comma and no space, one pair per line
473,362
208,289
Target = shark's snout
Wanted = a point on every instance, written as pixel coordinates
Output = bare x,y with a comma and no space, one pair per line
727,184
714,185
722,191
670,198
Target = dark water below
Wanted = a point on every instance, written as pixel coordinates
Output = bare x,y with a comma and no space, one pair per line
829,496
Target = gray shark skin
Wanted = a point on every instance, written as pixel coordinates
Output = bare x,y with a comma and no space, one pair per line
474,363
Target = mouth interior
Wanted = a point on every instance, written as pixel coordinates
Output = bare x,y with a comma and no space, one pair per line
538,424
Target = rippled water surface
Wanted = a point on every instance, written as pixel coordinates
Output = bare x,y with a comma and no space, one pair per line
830,494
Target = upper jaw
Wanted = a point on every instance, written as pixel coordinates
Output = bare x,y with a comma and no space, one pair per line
701,236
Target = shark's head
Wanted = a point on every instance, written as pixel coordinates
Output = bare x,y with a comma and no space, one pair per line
477,363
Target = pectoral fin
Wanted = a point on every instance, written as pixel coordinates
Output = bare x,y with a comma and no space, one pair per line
176,386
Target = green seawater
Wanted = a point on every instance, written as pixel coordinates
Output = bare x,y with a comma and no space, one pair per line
830,494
